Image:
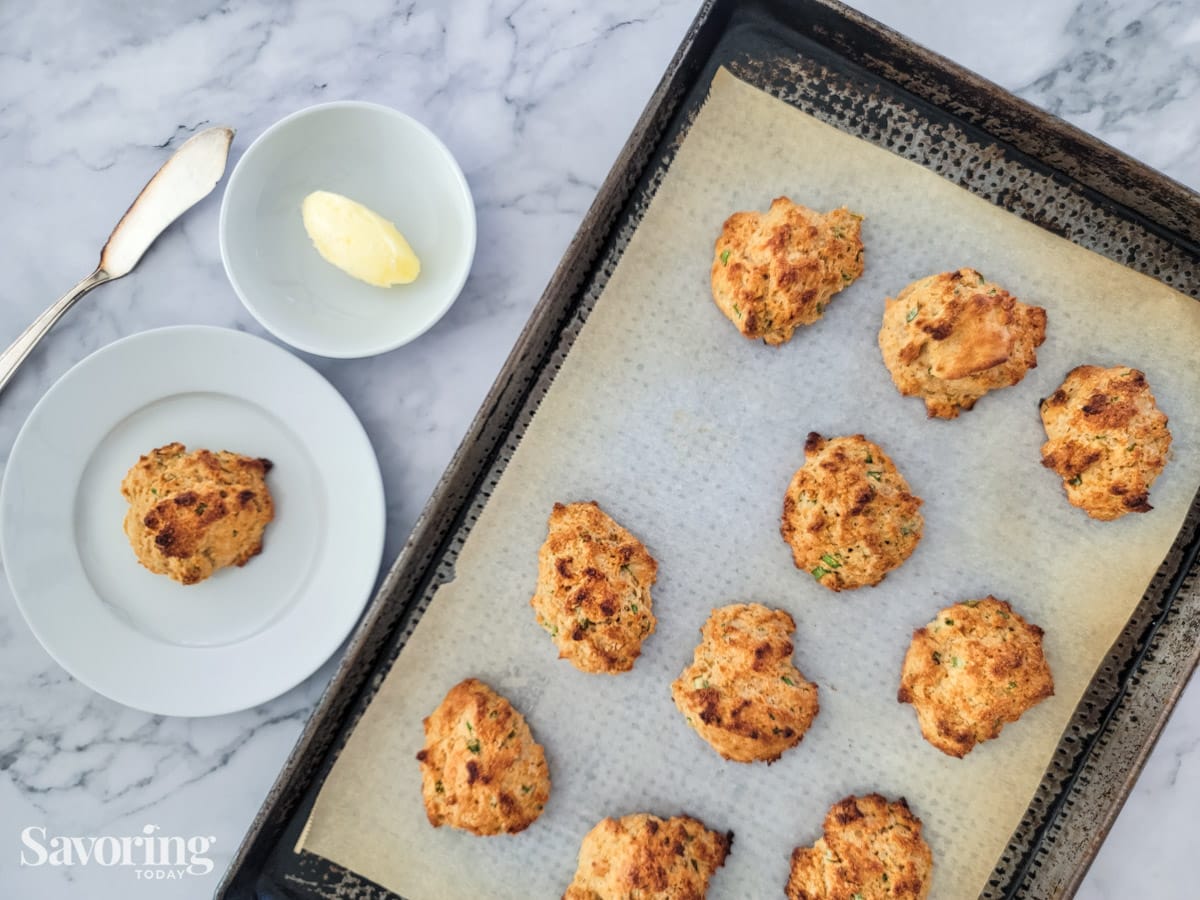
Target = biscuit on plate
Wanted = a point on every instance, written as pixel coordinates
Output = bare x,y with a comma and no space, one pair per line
872,849
481,769
593,589
951,338
775,271
643,857
1106,438
193,513
972,670
742,693
848,515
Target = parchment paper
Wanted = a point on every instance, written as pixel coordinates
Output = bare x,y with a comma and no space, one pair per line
688,434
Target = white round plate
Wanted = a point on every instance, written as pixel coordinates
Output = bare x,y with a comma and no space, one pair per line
246,634
384,160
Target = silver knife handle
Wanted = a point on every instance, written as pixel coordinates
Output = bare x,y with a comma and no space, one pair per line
11,359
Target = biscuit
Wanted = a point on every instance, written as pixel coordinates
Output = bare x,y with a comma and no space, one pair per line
593,590
481,769
742,693
193,513
1106,438
976,667
872,849
848,515
951,338
643,857
773,272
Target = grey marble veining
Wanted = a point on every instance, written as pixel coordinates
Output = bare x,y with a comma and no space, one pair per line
535,99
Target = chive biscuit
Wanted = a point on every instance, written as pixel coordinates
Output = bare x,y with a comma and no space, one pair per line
481,769
872,849
848,514
193,513
742,693
593,589
773,272
951,338
976,667
643,857
1106,438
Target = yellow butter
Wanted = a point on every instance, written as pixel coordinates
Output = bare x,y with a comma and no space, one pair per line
359,241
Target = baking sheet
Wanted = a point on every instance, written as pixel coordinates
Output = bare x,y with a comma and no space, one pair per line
688,434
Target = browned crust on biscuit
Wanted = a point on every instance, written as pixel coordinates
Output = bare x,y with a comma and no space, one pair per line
644,857
481,769
871,849
593,591
975,668
1107,440
742,693
951,338
773,272
848,514
193,513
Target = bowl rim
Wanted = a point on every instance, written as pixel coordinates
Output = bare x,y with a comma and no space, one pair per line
281,330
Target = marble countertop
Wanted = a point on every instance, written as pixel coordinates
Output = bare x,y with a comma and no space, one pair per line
91,104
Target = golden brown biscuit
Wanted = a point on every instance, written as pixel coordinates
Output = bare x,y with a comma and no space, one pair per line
951,338
773,272
871,850
643,857
593,590
742,693
973,669
848,515
481,769
193,513
1106,438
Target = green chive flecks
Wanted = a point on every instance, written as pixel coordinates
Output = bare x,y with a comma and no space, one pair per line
876,474
819,573
473,746
870,458
787,681
912,314
737,310
725,258
1078,479
937,658
832,561
949,621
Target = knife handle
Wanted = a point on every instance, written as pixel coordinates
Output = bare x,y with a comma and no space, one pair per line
11,359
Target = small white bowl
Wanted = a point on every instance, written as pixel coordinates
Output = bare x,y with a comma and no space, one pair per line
380,158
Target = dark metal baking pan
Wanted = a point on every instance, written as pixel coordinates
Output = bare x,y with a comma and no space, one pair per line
859,76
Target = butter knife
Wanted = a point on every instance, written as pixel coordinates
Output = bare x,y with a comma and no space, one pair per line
184,180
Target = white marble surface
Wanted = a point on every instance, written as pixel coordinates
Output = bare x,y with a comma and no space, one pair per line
535,99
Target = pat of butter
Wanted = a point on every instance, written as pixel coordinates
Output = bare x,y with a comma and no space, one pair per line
359,241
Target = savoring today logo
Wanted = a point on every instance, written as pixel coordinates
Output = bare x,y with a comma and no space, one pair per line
152,857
